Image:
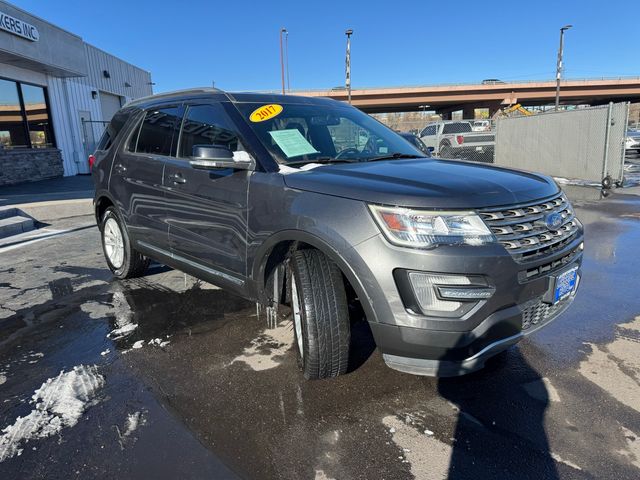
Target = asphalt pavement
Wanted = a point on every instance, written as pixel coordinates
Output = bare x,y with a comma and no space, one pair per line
168,377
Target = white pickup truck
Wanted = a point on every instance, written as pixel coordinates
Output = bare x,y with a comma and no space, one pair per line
456,139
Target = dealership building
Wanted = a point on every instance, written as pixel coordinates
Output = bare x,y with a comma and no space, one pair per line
56,93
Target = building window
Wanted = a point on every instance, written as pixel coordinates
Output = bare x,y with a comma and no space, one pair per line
25,118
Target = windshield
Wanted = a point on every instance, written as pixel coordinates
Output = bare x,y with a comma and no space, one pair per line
302,133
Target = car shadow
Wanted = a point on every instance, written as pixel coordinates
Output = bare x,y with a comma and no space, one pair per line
500,431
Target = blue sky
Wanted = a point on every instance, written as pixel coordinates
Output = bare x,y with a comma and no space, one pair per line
191,43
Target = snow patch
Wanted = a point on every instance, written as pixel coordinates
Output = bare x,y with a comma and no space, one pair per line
158,342
122,332
106,352
138,344
3,378
131,424
59,403
266,351
559,459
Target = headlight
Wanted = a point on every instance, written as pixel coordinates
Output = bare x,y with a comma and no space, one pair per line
423,228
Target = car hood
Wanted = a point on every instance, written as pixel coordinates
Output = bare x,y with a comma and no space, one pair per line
427,183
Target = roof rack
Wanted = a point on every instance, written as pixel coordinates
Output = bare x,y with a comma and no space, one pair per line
174,93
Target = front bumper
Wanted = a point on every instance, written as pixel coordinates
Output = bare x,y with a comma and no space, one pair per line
445,346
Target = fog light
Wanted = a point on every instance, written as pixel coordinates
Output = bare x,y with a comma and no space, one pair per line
448,295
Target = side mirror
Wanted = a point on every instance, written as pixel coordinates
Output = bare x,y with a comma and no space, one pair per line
207,157
431,149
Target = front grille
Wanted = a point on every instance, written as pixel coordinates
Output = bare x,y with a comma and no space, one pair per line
522,229
548,267
536,312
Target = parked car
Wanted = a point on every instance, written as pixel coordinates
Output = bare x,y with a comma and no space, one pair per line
414,140
311,203
492,81
481,125
456,139
632,145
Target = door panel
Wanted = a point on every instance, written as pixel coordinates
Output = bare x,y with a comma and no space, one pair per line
207,209
137,176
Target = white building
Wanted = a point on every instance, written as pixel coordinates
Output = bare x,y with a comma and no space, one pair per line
55,93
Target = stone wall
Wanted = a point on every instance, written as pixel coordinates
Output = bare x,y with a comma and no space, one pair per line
29,165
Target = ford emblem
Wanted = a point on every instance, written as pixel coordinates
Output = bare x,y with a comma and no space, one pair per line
553,221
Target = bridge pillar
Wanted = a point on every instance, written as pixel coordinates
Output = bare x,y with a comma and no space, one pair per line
493,108
469,112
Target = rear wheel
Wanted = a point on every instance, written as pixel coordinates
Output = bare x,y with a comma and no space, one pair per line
320,315
123,260
445,151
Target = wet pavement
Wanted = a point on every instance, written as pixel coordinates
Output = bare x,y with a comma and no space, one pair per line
167,377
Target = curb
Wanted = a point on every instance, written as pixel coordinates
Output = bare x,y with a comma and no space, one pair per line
57,209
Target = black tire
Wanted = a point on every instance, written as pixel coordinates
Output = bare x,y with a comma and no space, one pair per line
324,315
445,151
134,264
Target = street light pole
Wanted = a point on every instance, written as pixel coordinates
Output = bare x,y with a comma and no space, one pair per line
348,33
286,59
282,30
559,65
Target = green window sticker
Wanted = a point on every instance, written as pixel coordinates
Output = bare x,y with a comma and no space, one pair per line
292,143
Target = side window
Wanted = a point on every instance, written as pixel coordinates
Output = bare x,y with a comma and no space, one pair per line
430,130
207,125
157,131
113,129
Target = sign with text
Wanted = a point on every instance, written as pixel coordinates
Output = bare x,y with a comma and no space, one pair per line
18,27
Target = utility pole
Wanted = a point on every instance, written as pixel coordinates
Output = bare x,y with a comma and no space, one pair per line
559,65
282,30
286,59
348,33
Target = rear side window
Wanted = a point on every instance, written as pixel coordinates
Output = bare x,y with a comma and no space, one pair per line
113,129
157,132
207,125
462,127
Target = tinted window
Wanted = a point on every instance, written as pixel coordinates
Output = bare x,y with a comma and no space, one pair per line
12,127
462,127
158,128
35,106
207,125
113,129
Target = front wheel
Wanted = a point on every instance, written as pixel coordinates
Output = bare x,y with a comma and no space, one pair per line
320,315
123,260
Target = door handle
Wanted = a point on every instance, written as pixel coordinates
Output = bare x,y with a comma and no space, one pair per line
178,178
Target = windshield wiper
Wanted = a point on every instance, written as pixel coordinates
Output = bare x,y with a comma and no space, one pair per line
392,156
323,160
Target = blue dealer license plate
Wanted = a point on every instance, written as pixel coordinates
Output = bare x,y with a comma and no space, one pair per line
565,284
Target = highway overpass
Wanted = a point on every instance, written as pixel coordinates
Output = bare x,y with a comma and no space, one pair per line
445,99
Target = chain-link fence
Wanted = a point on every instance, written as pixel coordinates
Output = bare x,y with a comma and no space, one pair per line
463,139
530,147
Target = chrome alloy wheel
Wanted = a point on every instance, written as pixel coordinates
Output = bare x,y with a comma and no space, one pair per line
113,243
297,316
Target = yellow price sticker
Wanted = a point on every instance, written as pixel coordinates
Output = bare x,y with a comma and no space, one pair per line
266,112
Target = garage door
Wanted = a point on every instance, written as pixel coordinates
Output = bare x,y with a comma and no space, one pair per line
110,105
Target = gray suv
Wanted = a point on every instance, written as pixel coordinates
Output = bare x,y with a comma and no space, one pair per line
313,204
